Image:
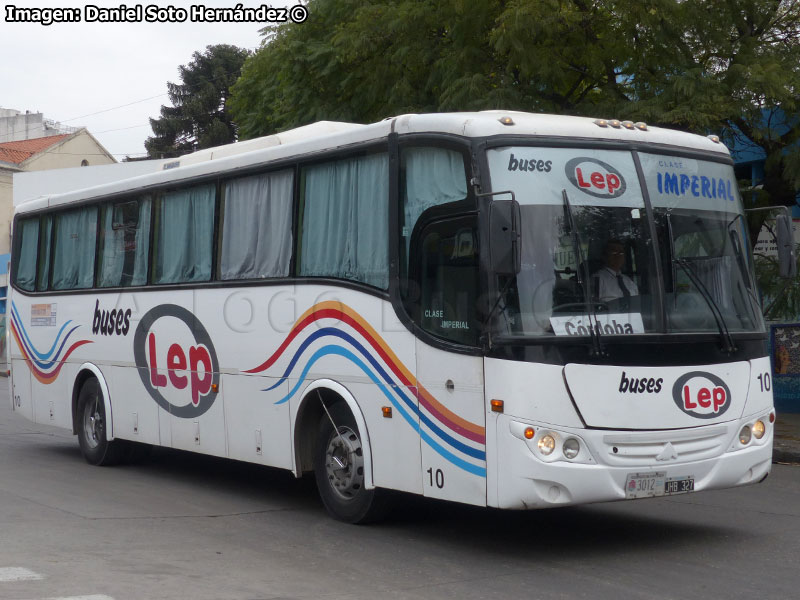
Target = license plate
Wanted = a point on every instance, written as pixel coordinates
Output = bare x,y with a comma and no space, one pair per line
678,485
649,485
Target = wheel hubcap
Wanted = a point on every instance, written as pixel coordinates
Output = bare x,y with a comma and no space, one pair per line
93,423
344,463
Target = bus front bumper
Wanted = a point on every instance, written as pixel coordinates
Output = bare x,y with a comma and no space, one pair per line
620,465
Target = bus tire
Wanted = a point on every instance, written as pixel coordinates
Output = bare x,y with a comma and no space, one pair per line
91,416
339,470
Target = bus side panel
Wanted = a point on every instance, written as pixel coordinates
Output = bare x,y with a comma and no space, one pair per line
258,428
134,413
204,433
302,334
453,425
54,404
22,398
394,441
49,342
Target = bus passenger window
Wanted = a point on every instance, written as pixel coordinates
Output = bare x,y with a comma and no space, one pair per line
74,242
184,235
27,234
344,220
257,226
124,241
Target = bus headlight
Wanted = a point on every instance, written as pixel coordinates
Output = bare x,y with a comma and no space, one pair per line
547,444
571,448
759,429
745,435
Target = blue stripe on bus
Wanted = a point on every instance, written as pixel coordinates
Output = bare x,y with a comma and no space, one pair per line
339,351
461,446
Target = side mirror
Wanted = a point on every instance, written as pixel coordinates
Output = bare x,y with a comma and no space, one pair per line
787,261
504,237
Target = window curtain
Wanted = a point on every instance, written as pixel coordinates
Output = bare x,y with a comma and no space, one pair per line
74,248
44,252
185,233
123,251
434,176
257,230
25,275
345,220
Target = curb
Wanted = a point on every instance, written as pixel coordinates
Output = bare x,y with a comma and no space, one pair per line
785,457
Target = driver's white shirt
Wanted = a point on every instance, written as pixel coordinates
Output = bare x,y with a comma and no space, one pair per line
609,285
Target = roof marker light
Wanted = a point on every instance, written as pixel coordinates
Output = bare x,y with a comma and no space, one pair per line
714,138
601,122
627,124
641,126
506,120
615,123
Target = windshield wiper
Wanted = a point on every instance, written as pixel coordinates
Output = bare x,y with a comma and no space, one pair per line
728,346
594,328
749,284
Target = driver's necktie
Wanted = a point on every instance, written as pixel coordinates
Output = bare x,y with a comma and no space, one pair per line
621,284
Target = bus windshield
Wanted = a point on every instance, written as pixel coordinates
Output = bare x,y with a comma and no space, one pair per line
588,257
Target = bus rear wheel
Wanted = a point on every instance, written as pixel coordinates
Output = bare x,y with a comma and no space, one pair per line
339,470
91,415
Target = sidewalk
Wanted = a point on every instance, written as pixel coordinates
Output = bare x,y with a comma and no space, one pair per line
787,439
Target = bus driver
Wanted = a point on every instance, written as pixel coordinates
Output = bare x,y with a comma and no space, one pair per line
611,282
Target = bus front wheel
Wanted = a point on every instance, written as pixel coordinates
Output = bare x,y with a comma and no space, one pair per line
91,415
339,469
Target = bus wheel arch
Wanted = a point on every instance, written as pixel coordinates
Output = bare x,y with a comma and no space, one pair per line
92,419
306,419
86,372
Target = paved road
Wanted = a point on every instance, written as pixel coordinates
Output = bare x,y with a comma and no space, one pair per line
188,527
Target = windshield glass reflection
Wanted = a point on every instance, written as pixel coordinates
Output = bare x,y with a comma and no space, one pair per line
588,261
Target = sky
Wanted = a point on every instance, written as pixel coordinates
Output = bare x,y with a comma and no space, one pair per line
108,77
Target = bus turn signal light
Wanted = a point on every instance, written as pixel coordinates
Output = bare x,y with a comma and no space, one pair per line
529,433
497,406
387,412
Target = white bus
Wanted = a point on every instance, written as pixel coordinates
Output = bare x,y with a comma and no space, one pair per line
498,308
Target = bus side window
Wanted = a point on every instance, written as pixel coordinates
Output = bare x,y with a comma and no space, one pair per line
24,269
124,243
343,226
184,235
431,177
444,269
257,226
74,243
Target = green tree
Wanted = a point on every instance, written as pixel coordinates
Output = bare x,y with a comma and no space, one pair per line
730,67
198,117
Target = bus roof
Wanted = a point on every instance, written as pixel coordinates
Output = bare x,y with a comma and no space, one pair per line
327,135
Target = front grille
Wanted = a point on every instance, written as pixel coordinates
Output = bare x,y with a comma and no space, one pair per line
664,447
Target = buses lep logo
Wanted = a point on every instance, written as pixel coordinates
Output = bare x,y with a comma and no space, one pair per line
701,395
177,361
595,177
